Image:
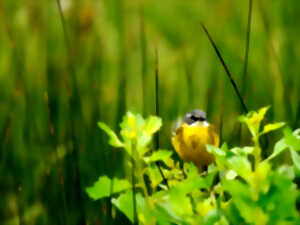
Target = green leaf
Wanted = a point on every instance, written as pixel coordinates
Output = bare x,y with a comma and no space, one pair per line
287,171
130,124
113,138
253,120
175,201
152,125
279,147
291,139
220,154
105,187
154,175
272,126
241,165
295,158
160,155
242,151
215,150
194,181
125,204
212,217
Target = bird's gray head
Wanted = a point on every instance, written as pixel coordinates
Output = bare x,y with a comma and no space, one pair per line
195,115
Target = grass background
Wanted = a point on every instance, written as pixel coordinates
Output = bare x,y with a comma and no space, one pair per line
59,77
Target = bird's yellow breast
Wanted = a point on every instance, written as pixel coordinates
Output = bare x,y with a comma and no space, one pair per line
190,143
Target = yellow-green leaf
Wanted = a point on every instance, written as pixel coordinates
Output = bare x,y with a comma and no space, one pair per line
152,125
279,147
272,126
113,138
105,187
160,155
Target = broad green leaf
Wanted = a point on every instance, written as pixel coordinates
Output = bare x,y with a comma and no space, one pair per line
212,217
259,177
240,165
220,155
154,175
291,139
204,206
194,181
297,133
125,204
287,171
165,215
142,142
243,151
279,147
215,150
160,155
237,188
176,200
113,138
253,120
295,158
129,126
152,125
231,174
272,126
105,187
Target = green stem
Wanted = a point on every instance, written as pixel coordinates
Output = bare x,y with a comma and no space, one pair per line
133,161
257,151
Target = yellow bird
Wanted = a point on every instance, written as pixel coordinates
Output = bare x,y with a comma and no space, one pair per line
191,138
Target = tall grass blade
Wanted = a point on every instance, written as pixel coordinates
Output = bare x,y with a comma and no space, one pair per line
75,114
245,69
157,113
226,68
144,58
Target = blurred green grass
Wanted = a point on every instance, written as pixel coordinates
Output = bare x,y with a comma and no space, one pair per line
53,92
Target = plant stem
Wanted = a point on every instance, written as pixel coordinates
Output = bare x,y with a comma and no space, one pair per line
133,161
256,152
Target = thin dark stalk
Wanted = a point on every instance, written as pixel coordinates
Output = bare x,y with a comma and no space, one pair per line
247,45
189,79
63,23
156,92
20,201
135,217
7,28
221,121
144,58
157,113
51,102
245,69
226,68
19,86
74,115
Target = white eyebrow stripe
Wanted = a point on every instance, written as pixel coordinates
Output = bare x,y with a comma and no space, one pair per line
204,123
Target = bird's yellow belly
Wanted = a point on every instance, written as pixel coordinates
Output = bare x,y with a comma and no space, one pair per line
190,143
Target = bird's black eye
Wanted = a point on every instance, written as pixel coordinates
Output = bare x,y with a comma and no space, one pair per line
201,119
194,118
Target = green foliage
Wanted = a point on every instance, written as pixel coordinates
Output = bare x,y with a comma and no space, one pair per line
234,190
105,187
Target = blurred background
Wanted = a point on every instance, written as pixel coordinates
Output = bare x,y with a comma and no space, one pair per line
59,76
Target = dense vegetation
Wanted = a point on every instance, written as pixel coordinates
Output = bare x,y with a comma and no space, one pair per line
240,188
67,64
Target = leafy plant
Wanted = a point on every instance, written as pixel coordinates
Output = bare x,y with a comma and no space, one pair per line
239,188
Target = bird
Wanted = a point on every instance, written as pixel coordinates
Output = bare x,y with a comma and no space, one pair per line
192,136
